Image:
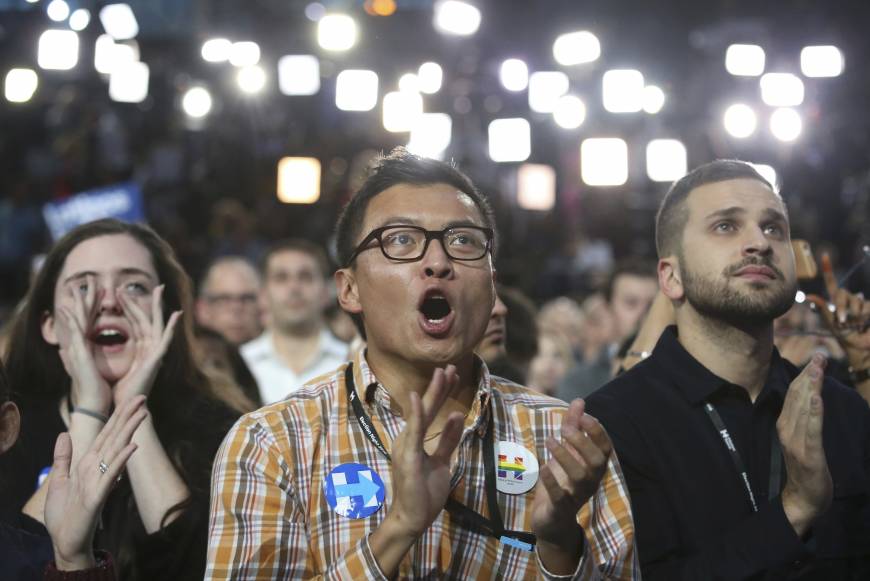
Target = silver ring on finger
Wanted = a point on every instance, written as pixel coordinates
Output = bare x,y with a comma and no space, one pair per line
103,467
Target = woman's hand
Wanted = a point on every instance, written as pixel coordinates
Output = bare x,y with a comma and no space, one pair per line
150,340
88,390
76,497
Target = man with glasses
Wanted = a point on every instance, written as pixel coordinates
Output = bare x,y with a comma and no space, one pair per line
228,299
297,345
411,461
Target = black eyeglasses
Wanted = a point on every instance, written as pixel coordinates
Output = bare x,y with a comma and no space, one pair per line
409,243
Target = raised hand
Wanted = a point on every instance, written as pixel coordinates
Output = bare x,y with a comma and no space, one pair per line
88,390
847,316
150,338
567,481
808,488
76,496
421,481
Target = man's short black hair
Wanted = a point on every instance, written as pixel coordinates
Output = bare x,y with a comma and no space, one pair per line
639,268
315,251
673,214
402,167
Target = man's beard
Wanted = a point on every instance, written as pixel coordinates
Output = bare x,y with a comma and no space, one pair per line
716,298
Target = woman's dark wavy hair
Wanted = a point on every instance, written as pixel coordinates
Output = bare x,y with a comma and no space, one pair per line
37,374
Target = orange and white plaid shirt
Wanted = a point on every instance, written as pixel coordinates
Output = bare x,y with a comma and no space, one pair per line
270,518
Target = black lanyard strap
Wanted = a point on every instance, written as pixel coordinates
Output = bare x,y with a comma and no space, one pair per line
492,526
775,457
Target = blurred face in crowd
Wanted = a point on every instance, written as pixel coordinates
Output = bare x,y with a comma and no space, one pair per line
228,302
432,311
493,344
550,365
598,327
294,291
737,264
632,296
563,315
107,265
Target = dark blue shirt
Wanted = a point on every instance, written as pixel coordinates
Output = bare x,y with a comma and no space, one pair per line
23,555
693,517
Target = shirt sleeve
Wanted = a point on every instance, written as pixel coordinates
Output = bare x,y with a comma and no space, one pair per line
103,571
257,529
606,519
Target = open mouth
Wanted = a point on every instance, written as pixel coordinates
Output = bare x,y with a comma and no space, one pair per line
435,307
109,337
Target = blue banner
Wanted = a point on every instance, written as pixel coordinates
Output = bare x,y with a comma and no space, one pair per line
121,201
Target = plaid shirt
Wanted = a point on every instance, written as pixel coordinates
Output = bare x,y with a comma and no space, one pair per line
270,518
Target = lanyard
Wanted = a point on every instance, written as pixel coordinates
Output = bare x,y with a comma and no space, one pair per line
493,526
775,457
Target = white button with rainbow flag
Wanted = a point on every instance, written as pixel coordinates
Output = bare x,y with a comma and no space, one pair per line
516,468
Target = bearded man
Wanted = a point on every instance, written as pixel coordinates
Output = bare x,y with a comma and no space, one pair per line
739,465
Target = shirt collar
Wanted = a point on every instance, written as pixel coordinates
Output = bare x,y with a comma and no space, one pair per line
696,382
376,395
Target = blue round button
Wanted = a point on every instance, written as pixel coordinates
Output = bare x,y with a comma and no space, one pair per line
354,490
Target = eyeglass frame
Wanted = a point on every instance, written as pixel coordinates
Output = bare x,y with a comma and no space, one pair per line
429,234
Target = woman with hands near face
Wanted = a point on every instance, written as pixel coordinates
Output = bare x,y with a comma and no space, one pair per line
104,325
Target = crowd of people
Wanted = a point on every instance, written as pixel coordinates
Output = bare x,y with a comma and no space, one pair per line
403,415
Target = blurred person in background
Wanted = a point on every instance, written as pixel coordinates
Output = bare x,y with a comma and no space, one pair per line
221,361
550,365
74,499
565,316
510,340
228,299
92,336
630,291
597,351
297,344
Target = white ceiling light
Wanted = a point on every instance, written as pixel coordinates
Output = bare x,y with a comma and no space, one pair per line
536,187
216,50
740,120
336,32
129,84
20,85
622,90
299,180
514,75
251,79
109,55
197,102
58,50
782,90
119,22
786,124
401,110
298,74
430,76
653,99
510,140
576,48
744,60
409,83
821,61
244,54
57,10
545,88
666,160
604,161
356,90
570,112
455,17
431,135
79,19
